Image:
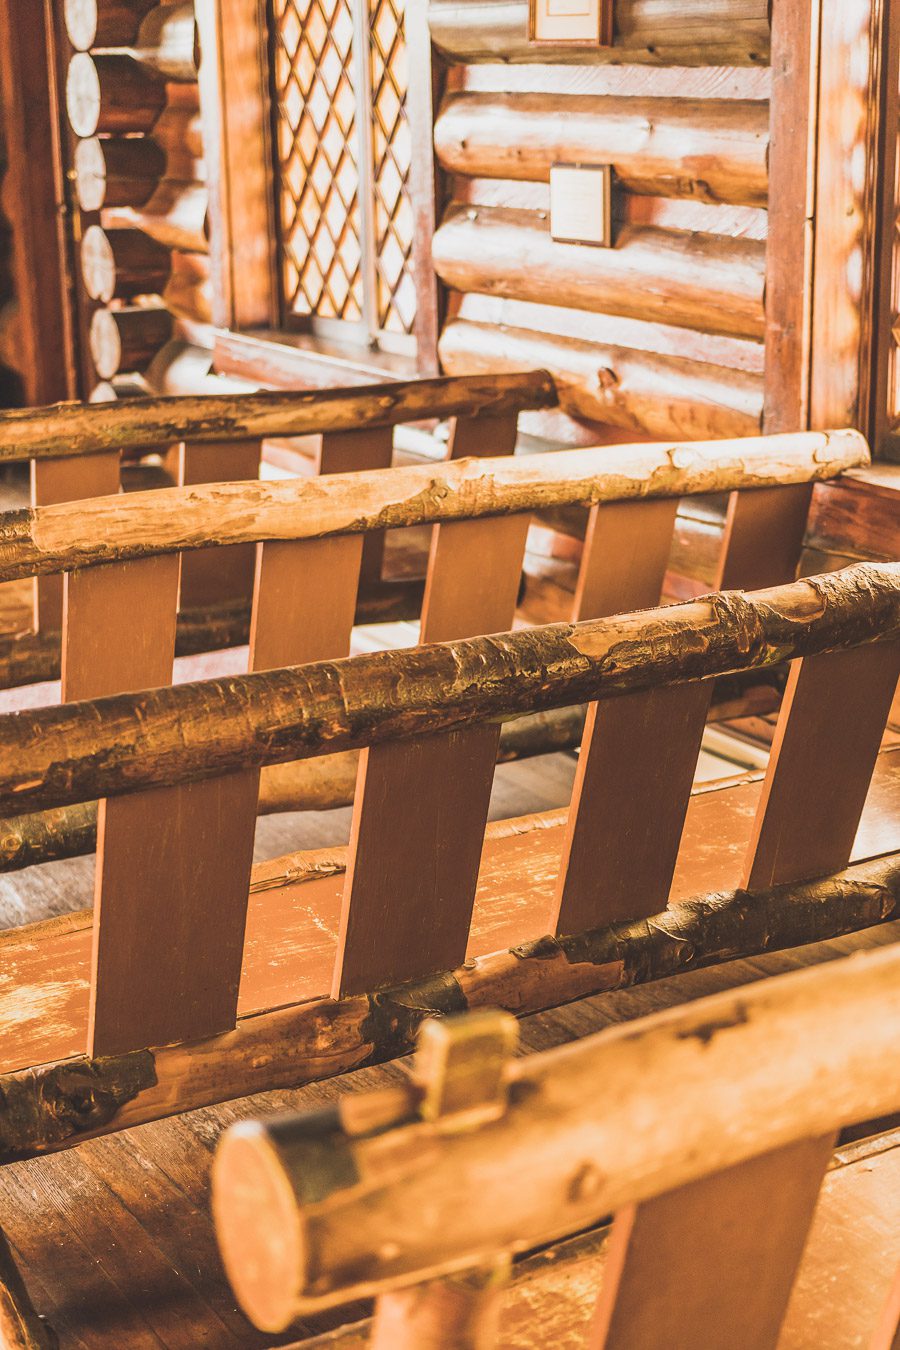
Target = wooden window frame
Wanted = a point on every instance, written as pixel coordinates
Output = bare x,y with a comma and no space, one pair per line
254,337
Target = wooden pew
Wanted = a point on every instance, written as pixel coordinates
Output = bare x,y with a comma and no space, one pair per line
473,573
707,1131
197,978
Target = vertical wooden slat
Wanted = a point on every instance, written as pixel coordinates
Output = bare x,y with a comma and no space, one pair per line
829,730
629,802
213,575
346,451
304,601
421,805
483,437
764,533
638,753
173,864
712,1264
623,563
66,480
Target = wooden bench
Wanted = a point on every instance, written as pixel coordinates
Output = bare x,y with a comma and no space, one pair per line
78,451
177,991
707,1131
473,574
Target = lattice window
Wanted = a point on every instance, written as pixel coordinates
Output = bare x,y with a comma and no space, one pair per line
343,155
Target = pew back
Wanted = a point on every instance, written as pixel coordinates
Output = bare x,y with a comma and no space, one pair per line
705,1130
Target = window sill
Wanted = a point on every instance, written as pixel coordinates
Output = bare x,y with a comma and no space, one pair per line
282,360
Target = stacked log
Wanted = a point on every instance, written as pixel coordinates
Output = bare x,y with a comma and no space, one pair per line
677,301
133,102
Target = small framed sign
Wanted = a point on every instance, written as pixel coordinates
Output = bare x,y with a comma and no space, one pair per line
587,23
581,204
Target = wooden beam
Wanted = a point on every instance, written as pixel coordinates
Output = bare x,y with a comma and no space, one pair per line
57,755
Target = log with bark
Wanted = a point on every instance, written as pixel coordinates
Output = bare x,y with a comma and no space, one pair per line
315,1211
113,93
654,32
58,1105
619,386
128,339
126,743
74,429
712,150
699,281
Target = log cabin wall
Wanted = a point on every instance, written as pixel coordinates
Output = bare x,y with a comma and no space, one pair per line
135,146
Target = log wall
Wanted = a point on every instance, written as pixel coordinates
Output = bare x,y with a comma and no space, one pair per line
662,334
139,174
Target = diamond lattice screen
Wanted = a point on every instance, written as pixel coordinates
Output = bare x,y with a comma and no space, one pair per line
317,158
396,298
325,192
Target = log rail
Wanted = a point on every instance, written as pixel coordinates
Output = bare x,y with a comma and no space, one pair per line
421,1191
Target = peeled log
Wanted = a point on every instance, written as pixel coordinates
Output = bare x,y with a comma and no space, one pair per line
175,215
123,263
654,32
128,339
117,171
100,530
105,23
712,150
706,282
168,43
109,93
660,395
76,752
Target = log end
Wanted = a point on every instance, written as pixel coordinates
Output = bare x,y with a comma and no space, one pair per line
259,1228
90,174
81,23
83,94
106,345
98,265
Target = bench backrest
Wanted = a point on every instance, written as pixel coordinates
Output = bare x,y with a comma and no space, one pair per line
178,770
705,1130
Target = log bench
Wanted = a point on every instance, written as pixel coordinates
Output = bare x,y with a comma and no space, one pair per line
311,576
708,1132
198,979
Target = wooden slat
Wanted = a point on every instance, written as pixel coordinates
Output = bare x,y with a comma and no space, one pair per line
304,601
764,532
173,864
218,574
823,755
347,452
483,436
626,549
422,804
712,1263
629,804
66,480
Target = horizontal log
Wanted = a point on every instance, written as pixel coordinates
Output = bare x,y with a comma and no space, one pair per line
44,1108
75,429
711,150
329,783
128,339
638,391
105,747
179,132
654,32
105,23
735,1075
122,263
112,93
699,281
117,171
175,216
188,292
98,530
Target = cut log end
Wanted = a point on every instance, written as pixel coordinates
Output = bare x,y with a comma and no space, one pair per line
117,171
127,339
83,95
